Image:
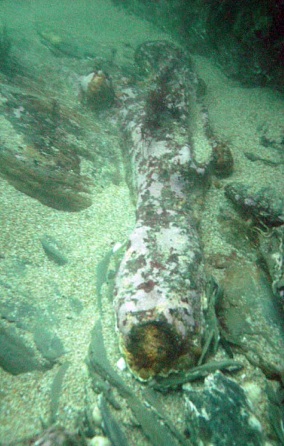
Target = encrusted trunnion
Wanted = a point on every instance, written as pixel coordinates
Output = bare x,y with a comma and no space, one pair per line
160,283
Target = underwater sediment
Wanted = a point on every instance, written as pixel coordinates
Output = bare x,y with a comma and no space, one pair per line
160,283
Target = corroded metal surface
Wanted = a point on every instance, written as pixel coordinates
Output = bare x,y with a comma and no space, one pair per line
160,283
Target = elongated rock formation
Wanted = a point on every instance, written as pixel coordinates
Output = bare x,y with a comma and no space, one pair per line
160,284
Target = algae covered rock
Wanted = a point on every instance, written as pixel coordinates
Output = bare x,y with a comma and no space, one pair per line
97,90
265,204
53,250
36,155
15,355
28,338
57,436
219,414
251,318
272,251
